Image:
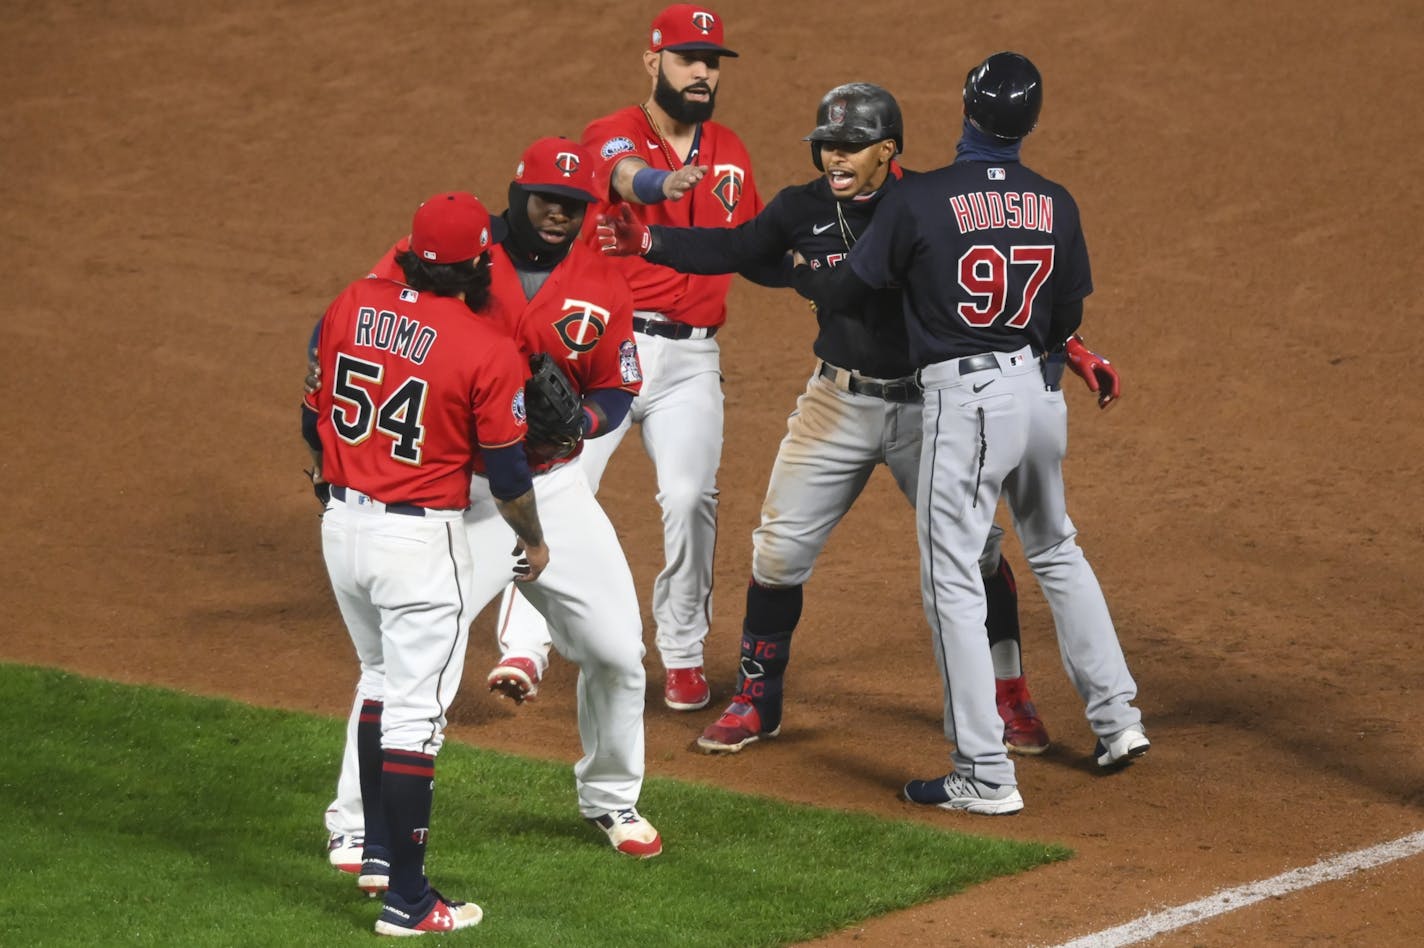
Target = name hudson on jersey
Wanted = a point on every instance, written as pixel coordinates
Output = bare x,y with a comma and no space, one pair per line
981,210
398,334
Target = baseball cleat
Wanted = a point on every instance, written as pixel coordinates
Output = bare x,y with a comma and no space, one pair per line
956,792
343,851
375,877
433,913
629,833
738,726
1122,747
1024,732
516,678
686,689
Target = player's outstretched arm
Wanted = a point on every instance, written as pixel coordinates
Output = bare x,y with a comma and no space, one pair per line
637,182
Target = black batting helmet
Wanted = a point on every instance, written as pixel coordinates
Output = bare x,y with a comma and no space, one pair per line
1003,95
857,113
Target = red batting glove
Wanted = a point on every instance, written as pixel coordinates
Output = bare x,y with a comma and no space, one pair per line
1094,370
621,234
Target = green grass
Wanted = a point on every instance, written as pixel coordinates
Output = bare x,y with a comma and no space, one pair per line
139,816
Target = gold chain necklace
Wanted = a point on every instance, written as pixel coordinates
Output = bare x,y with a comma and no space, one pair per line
667,151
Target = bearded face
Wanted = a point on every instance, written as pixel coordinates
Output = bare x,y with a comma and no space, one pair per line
690,104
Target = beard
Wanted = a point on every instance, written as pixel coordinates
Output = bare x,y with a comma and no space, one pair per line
680,110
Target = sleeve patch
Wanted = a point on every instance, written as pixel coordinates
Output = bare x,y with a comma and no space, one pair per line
516,407
616,146
628,367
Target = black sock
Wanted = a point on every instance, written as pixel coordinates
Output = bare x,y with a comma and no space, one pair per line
407,787
368,756
1003,619
772,615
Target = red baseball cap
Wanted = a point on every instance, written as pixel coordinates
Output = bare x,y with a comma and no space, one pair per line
451,227
686,28
558,166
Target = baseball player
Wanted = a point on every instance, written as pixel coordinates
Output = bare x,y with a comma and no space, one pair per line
674,165
861,407
994,268
554,294
418,385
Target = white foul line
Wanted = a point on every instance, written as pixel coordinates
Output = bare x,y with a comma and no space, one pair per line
1228,900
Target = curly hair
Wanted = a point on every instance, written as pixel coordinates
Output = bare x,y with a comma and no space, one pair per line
470,277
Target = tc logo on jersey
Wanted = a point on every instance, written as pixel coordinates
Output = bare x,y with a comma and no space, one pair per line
582,325
728,189
703,21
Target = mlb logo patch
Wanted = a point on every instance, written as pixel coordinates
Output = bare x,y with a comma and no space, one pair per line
408,295
997,174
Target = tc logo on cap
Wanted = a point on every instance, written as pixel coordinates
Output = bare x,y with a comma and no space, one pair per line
704,21
567,162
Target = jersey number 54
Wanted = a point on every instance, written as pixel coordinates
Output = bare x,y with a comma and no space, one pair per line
355,416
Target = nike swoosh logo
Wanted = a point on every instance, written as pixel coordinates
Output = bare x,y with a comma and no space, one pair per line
980,388
818,231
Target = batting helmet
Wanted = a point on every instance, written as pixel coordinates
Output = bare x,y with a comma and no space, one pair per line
857,113
1003,95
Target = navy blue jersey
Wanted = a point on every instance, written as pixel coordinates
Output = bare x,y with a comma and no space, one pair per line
983,252
863,332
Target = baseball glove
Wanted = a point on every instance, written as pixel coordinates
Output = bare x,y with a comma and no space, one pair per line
555,411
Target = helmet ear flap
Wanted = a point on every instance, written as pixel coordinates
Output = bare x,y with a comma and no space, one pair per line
816,156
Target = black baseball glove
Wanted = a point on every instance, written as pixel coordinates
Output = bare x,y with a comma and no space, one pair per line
555,411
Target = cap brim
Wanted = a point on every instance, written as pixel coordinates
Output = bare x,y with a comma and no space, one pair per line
701,48
562,190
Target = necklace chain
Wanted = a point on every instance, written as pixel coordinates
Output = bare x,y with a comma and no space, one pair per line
668,153
847,235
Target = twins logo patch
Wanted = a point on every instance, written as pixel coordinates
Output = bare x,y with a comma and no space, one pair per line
616,146
567,162
997,174
728,189
516,407
628,368
703,21
582,325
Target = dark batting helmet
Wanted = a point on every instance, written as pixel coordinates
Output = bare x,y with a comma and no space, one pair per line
1003,95
856,113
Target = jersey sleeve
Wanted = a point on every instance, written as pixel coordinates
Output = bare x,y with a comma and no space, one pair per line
610,140
764,239
882,255
497,397
1076,282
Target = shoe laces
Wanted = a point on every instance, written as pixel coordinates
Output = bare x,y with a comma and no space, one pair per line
627,817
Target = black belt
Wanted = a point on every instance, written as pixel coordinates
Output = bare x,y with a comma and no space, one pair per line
405,510
977,364
671,330
895,390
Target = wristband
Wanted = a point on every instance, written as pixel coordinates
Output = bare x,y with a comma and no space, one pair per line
648,185
590,422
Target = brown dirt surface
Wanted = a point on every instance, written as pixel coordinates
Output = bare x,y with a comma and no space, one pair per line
184,190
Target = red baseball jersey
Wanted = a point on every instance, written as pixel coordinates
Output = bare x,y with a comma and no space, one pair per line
412,385
726,197
582,316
